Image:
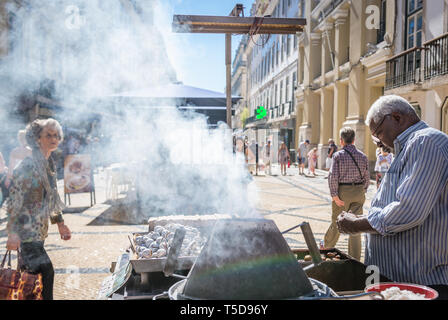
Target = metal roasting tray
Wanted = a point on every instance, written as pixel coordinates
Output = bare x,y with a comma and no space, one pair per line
157,264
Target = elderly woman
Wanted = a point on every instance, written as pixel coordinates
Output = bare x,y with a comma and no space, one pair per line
33,200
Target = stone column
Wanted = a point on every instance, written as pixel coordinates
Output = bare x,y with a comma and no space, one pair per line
315,56
327,46
326,121
275,144
309,130
339,107
357,77
342,37
301,63
310,126
373,93
356,102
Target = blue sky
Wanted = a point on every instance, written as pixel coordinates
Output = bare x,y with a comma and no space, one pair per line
199,59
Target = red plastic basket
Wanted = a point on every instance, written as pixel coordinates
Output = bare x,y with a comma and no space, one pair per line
416,288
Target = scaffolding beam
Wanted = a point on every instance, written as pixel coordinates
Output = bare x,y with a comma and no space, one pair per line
236,25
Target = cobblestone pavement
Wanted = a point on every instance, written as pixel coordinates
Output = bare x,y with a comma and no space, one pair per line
82,263
292,199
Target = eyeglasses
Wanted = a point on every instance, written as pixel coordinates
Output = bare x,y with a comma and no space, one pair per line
51,136
374,136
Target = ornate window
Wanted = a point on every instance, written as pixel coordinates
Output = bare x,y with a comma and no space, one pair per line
414,26
414,32
382,29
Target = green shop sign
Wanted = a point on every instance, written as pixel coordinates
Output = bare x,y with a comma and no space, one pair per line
261,112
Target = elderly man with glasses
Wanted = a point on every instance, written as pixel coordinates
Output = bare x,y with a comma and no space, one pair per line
407,225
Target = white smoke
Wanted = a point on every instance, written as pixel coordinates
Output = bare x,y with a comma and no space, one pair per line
94,49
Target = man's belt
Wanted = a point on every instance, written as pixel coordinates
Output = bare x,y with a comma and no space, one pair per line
351,184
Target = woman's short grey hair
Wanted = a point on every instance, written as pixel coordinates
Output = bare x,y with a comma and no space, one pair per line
347,135
386,105
35,128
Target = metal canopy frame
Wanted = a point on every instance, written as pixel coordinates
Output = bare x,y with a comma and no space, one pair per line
238,25
234,24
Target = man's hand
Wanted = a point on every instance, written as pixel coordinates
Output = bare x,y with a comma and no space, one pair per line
350,223
346,223
338,201
13,242
64,231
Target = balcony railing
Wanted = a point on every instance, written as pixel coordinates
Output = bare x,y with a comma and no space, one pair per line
329,9
290,107
418,64
436,57
404,68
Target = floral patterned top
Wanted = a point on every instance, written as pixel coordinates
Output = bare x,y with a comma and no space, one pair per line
27,214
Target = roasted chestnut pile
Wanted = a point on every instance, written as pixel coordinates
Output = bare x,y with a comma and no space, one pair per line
156,243
329,256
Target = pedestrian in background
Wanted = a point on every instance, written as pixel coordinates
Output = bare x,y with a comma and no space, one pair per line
333,148
267,154
383,161
312,161
302,152
17,155
33,200
283,156
252,158
246,149
348,181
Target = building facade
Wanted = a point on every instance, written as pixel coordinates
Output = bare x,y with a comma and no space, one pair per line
342,69
239,85
316,82
271,67
418,71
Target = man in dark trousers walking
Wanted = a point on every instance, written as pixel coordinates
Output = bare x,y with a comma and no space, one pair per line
348,181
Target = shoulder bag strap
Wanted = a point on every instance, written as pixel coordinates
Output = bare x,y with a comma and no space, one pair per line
7,254
353,158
